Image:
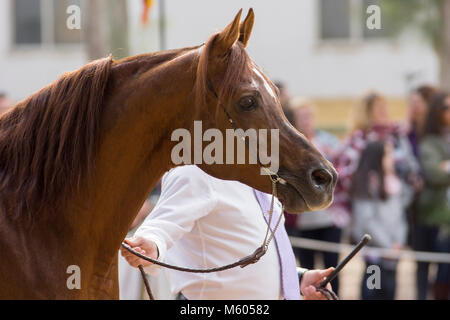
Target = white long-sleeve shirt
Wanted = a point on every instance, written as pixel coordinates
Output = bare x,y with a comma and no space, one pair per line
203,222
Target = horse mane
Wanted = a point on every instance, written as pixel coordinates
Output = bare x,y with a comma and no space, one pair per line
48,142
237,62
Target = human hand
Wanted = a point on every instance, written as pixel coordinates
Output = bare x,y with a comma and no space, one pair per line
140,245
311,280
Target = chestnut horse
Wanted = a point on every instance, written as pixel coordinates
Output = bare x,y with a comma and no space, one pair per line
79,157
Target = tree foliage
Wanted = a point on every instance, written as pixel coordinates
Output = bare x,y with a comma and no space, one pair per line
424,15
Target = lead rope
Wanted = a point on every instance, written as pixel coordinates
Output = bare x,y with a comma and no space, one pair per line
250,259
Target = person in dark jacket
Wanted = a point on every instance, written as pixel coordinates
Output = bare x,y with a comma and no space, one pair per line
434,201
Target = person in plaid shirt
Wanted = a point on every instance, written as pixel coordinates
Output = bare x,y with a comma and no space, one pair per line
371,122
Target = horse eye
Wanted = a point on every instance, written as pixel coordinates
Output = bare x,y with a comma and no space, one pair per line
247,103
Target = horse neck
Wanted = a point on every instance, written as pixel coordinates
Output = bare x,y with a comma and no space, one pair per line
134,152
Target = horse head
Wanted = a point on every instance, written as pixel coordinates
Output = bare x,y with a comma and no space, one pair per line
237,94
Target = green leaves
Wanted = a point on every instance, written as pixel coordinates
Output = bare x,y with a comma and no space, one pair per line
424,15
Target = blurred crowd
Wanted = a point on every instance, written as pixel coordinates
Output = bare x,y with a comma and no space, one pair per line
394,184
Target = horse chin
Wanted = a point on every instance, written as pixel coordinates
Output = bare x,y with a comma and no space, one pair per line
295,202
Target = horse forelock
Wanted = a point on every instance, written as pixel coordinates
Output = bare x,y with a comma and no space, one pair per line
48,141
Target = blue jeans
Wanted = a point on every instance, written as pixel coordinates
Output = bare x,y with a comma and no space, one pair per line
443,274
423,239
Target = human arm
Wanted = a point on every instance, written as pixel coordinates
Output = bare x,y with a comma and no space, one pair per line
433,163
186,196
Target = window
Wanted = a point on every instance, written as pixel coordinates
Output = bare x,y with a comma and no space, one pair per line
27,21
43,22
335,18
346,20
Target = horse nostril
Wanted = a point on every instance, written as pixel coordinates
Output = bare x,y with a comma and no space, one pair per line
321,178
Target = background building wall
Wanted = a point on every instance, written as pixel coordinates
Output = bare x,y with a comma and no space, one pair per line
23,70
286,43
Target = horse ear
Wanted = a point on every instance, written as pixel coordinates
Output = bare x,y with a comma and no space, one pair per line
246,28
228,36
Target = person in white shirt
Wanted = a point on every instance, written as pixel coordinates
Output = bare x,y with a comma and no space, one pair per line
204,222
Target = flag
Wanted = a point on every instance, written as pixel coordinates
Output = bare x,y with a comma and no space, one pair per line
146,10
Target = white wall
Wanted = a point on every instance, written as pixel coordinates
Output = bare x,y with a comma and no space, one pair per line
23,71
284,44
